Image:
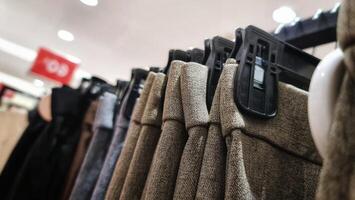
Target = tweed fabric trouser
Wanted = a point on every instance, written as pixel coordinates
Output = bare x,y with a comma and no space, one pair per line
193,93
212,176
337,180
147,141
268,159
122,165
161,179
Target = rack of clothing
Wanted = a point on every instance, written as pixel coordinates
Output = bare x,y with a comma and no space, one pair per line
226,122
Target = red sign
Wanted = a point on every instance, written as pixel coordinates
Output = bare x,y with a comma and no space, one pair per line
53,66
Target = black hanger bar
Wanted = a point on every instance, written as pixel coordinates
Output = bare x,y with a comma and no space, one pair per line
196,55
133,90
121,85
176,54
221,49
207,51
154,69
263,62
317,30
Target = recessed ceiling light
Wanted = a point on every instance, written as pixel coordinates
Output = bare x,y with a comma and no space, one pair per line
65,35
38,83
17,50
284,15
90,2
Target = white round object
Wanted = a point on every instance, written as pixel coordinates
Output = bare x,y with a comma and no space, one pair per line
90,2
284,15
65,35
323,92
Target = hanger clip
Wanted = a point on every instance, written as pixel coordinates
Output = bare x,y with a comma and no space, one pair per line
263,62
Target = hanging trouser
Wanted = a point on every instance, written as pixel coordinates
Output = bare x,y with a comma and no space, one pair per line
115,185
337,179
193,93
212,176
42,175
96,153
161,179
120,131
268,158
84,142
147,141
17,158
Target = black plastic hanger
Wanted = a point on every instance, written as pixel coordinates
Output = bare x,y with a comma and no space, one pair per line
121,85
176,54
207,51
84,84
239,35
154,69
221,49
263,61
95,87
133,90
196,55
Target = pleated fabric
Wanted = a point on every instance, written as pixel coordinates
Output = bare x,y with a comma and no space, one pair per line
114,187
81,149
96,153
161,179
212,176
268,159
122,120
337,179
193,93
147,141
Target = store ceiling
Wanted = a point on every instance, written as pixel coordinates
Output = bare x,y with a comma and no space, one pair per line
117,35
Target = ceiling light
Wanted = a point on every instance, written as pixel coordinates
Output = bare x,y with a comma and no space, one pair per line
65,35
21,85
38,83
284,15
90,2
17,50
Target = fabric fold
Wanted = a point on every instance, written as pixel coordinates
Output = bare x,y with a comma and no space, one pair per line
193,93
337,179
212,176
268,159
96,152
81,149
147,141
163,171
114,187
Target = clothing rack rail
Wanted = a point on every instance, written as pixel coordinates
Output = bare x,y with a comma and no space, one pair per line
314,31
